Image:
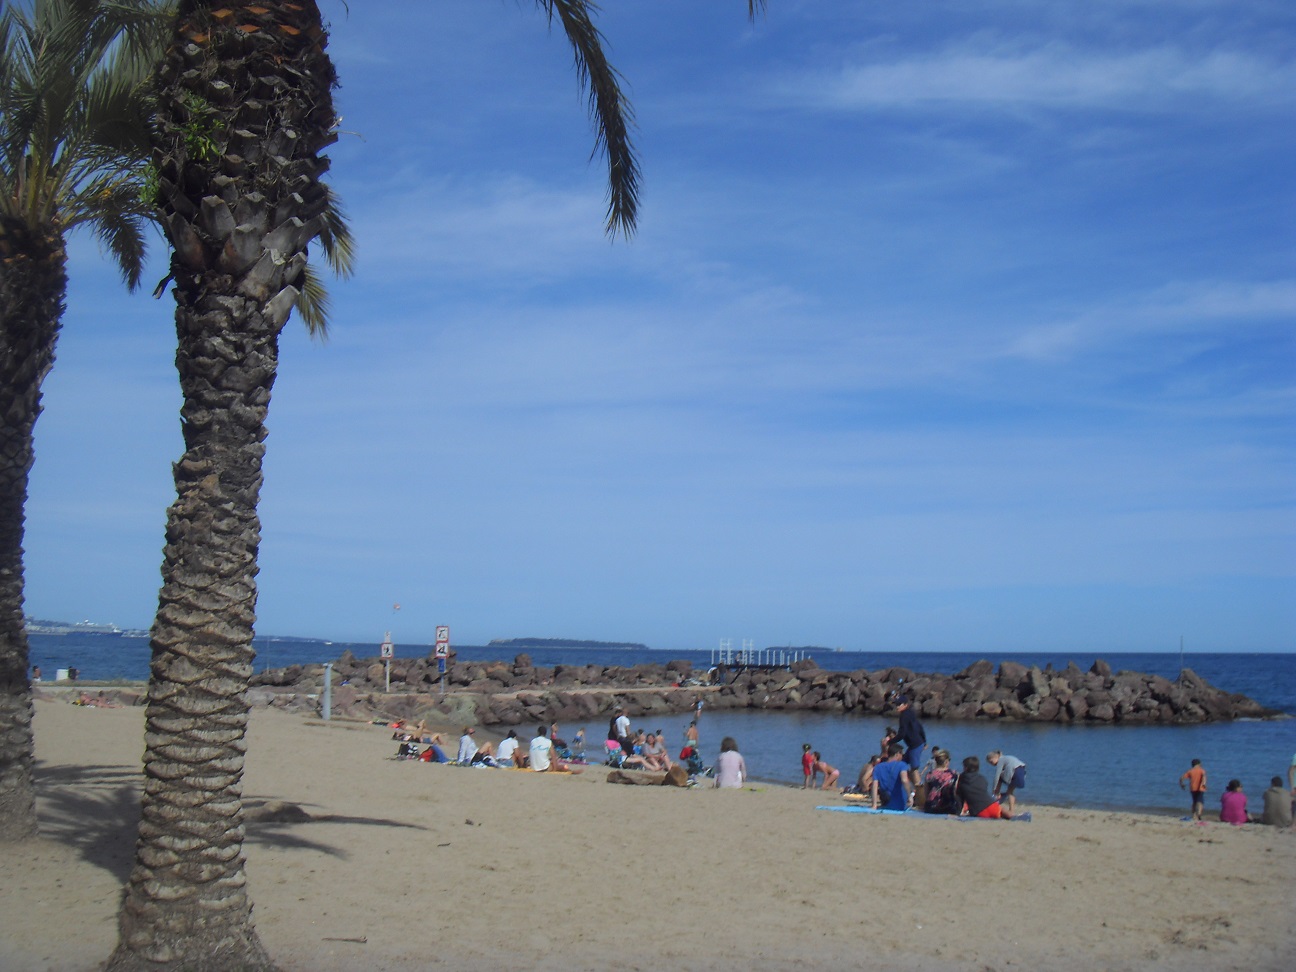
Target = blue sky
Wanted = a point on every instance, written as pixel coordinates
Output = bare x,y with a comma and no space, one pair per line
947,326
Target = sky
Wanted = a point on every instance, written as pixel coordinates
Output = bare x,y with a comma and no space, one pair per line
946,326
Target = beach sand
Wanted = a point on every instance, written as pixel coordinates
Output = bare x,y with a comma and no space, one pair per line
441,867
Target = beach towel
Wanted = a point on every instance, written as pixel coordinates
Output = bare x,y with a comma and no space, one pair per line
1020,818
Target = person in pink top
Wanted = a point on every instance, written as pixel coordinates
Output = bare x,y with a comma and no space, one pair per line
1233,804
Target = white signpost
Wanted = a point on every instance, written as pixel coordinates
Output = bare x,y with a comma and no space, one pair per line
442,653
387,651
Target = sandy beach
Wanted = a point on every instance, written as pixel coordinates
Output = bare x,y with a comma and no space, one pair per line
404,865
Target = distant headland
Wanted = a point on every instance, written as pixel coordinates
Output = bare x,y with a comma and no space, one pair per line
523,643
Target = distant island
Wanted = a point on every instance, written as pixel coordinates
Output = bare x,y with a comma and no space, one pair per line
562,643
43,626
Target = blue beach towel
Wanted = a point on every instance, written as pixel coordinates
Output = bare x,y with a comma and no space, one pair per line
1020,818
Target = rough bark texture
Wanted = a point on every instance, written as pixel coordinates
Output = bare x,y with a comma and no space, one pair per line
33,281
246,107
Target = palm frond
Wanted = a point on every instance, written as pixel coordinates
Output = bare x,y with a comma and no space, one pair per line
336,239
609,109
313,303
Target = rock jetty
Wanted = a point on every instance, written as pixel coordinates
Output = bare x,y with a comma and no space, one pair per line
508,694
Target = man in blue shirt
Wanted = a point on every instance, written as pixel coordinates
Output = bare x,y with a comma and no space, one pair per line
891,782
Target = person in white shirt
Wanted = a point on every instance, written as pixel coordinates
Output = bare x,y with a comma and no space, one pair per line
622,725
467,746
472,754
731,769
509,752
542,752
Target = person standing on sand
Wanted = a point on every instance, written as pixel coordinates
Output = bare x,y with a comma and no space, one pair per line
1196,778
807,767
731,769
1010,772
621,730
913,735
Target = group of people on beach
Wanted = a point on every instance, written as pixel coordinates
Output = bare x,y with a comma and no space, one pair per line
897,777
640,749
1279,801
545,752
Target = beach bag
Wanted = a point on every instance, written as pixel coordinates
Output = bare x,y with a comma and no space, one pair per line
407,751
686,752
426,755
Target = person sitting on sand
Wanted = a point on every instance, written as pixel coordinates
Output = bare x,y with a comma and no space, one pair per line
891,787
1277,805
830,773
1233,804
509,752
554,738
731,769
470,754
939,796
543,757
973,791
467,746
864,784
654,754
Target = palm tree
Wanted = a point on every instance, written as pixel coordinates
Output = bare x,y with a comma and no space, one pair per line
245,109
73,142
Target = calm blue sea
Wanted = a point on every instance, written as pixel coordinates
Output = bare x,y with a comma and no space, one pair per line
1114,767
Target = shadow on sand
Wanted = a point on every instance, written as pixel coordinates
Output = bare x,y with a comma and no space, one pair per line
96,809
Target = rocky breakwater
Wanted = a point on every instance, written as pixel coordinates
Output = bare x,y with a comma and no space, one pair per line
482,693
1011,691
516,693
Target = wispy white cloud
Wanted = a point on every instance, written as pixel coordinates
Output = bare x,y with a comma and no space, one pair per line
983,74
1173,309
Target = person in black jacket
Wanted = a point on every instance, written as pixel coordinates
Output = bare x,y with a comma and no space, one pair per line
973,790
911,733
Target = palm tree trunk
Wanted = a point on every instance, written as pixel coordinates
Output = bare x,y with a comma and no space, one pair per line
33,282
246,106
187,900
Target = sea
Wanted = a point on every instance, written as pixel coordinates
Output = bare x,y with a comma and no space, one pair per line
1083,766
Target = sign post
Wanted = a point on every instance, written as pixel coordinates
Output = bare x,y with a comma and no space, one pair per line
388,651
442,653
